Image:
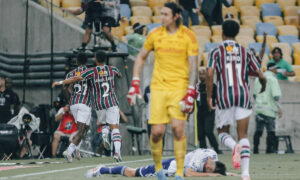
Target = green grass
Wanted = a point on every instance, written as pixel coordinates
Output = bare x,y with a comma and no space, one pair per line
262,167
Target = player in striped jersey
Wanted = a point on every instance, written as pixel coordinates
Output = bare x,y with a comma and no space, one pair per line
80,101
232,63
105,99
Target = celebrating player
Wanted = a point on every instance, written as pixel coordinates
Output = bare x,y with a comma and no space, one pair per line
232,62
198,163
173,83
80,102
103,91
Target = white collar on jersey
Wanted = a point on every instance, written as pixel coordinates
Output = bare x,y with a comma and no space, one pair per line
229,41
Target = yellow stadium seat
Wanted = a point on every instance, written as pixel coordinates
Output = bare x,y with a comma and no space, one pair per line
124,39
117,31
141,11
250,21
296,69
290,10
284,3
156,10
250,11
123,22
45,3
239,3
244,40
138,3
156,19
246,31
128,30
141,19
202,40
296,58
287,30
270,39
71,3
291,20
159,3
286,50
200,30
298,2
216,29
231,10
296,47
277,20
217,39
260,2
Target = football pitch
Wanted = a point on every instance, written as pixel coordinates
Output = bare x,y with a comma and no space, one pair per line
262,167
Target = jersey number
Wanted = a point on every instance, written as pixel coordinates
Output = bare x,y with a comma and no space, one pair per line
105,86
238,69
78,88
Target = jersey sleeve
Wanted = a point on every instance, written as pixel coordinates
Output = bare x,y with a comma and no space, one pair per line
115,70
257,87
195,163
68,75
60,111
88,73
289,67
192,44
149,42
212,58
253,62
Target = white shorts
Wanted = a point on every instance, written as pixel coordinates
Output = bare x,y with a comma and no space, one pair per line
109,116
225,117
81,113
64,134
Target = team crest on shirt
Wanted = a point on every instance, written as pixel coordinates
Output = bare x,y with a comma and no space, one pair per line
77,73
101,73
229,48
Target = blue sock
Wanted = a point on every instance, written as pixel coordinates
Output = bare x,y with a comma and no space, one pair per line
113,170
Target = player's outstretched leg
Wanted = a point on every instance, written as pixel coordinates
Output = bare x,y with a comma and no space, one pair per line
180,146
105,137
116,139
245,158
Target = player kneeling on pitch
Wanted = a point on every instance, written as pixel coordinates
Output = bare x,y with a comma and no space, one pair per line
200,162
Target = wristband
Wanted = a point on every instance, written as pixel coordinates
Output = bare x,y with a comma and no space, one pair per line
60,82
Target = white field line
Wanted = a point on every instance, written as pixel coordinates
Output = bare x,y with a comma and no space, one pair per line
72,169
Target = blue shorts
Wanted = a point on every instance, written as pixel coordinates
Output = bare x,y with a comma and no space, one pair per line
148,171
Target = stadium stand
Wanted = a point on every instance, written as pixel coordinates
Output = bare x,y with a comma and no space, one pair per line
138,3
142,11
269,28
71,3
258,3
257,46
210,46
239,3
284,3
216,30
287,30
270,9
276,20
251,21
249,11
125,11
290,39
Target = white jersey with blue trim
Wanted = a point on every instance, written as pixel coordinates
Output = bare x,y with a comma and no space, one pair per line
197,159
194,160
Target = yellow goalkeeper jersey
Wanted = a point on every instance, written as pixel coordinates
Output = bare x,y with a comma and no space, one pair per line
171,66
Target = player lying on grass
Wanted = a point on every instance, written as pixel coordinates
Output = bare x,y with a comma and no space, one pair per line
200,162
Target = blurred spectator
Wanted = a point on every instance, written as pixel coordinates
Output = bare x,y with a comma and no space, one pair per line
136,39
79,11
105,12
212,10
8,82
26,123
8,102
67,127
284,68
190,10
267,109
205,117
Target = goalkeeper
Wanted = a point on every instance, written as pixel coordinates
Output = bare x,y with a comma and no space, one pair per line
173,83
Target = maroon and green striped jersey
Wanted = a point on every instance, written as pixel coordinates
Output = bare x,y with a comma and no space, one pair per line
81,91
103,85
232,63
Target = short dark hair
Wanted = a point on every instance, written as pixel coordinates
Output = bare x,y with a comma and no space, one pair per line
230,28
82,58
176,9
100,56
220,168
277,49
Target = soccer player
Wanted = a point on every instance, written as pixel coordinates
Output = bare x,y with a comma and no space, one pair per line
80,101
198,163
232,63
103,91
173,83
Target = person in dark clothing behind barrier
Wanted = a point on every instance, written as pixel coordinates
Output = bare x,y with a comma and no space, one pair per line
205,117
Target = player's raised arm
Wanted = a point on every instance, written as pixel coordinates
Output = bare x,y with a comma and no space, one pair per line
134,90
67,81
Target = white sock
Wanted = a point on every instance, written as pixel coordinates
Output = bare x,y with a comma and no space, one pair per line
71,148
116,139
245,156
227,140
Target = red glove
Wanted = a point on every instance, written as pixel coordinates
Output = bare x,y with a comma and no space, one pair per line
134,91
187,103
